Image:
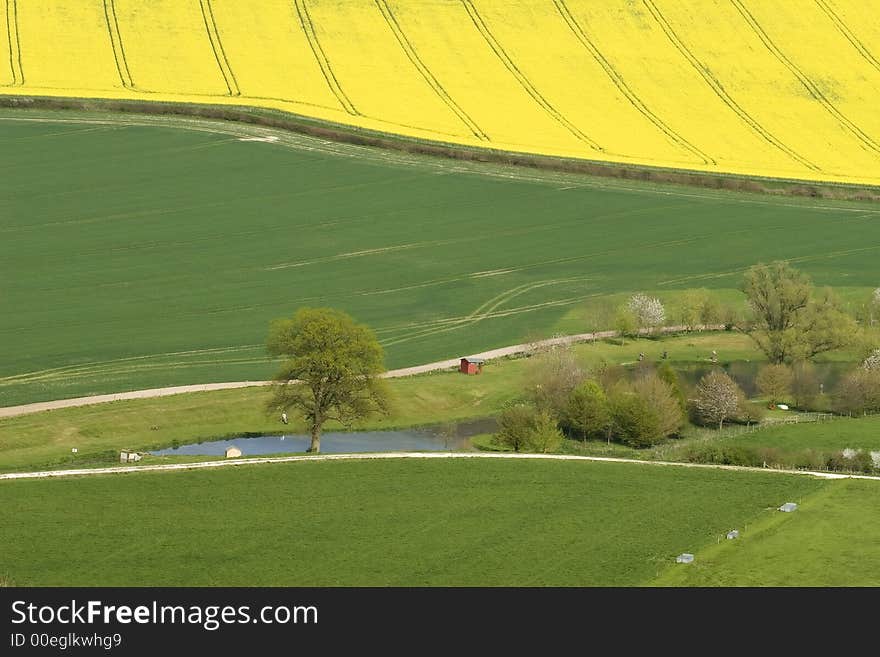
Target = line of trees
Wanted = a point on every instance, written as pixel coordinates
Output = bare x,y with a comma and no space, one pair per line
789,320
638,409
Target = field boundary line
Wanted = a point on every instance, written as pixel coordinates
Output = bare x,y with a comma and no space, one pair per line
624,88
719,90
500,352
524,82
14,44
808,84
843,28
425,72
217,48
116,45
305,20
318,458
344,140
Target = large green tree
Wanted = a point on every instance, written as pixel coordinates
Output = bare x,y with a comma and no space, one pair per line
645,412
527,428
331,371
791,321
587,411
774,382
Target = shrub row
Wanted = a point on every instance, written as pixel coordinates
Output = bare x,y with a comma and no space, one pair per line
773,457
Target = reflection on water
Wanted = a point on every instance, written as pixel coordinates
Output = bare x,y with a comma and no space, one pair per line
430,439
744,373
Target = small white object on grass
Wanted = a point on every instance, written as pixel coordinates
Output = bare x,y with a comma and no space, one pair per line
684,558
788,507
733,533
74,450
782,407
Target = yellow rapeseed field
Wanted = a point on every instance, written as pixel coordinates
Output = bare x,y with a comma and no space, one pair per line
776,88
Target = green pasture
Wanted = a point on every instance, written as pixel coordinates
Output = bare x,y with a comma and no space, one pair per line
382,523
833,435
830,540
136,256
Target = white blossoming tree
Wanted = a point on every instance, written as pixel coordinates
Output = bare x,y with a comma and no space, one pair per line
648,311
718,398
872,362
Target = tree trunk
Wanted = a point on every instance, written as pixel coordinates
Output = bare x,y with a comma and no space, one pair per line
315,447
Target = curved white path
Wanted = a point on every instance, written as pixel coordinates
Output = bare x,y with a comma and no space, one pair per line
408,455
25,409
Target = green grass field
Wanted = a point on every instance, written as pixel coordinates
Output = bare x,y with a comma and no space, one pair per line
831,540
856,433
412,522
136,254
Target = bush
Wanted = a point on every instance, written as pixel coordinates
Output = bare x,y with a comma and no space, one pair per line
587,413
554,374
699,308
858,392
514,426
662,401
774,382
756,457
859,461
524,428
748,412
545,436
645,413
808,459
724,454
666,373
634,423
625,323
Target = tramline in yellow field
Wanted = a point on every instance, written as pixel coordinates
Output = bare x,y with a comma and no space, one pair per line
770,88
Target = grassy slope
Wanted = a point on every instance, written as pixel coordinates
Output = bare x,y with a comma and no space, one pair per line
861,433
831,540
142,256
45,439
377,523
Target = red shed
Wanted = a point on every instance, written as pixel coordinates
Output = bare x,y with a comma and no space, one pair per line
471,365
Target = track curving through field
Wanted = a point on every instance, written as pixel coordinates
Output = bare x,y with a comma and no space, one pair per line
512,350
46,474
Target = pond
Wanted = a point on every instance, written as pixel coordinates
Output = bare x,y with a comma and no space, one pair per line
744,373
441,438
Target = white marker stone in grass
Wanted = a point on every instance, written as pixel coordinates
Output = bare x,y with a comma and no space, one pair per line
733,533
788,507
684,558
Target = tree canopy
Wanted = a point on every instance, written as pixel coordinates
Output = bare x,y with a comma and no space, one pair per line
718,398
791,321
331,371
